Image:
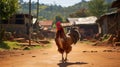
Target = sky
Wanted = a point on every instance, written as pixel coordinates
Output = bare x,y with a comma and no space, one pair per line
64,3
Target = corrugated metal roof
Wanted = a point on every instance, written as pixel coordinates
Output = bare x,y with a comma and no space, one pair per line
72,20
86,20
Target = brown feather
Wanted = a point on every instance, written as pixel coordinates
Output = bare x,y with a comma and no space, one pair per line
64,41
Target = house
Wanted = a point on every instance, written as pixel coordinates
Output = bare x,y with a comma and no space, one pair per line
18,19
110,22
46,28
87,26
46,24
18,24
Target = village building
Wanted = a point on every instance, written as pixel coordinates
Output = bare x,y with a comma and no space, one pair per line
46,28
46,24
87,26
110,22
19,24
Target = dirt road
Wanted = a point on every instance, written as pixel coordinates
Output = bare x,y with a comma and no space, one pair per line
80,56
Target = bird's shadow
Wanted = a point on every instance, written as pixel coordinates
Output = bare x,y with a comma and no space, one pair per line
65,64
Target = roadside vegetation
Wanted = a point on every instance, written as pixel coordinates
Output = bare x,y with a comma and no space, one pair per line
8,45
12,45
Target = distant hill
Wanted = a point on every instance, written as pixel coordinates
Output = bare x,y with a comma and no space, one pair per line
50,11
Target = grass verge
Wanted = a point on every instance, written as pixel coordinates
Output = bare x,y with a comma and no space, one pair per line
8,45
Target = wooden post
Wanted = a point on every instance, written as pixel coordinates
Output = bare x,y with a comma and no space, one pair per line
37,9
29,22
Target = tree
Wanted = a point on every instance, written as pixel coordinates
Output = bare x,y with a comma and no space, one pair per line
8,8
79,13
97,7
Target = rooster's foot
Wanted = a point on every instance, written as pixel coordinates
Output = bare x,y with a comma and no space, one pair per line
66,59
62,60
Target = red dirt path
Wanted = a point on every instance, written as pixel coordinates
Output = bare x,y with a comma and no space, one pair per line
81,56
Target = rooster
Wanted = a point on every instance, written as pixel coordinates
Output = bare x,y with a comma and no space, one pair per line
64,41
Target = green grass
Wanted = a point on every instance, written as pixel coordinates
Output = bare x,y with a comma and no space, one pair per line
32,47
8,45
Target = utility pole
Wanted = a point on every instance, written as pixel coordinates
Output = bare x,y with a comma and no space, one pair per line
37,16
37,9
30,22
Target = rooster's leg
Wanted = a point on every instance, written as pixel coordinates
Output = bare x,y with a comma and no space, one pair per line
66,57
62,58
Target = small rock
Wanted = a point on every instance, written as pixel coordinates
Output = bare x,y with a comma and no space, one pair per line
109,51
33,56
84,51
22,54
94,51
104,50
